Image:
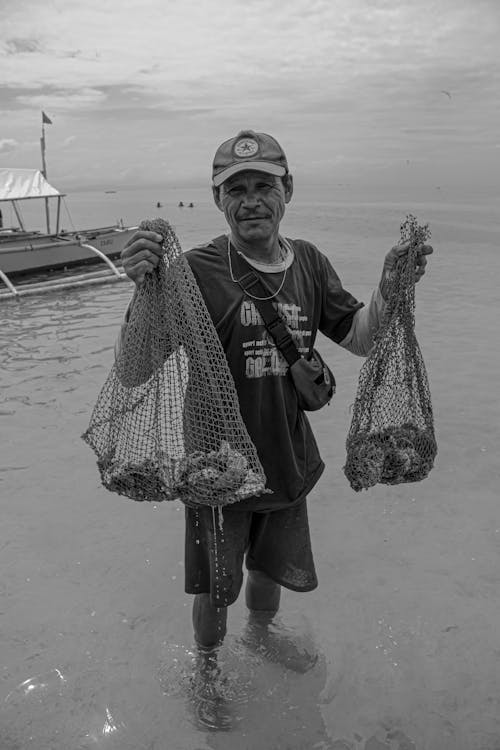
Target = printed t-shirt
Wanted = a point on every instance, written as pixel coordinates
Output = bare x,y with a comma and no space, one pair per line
311,299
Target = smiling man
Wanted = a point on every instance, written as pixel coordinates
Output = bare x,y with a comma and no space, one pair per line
252,185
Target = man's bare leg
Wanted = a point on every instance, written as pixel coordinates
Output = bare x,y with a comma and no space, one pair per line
209,622
209,703
262,595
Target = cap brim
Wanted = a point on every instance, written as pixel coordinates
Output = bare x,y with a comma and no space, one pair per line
256,166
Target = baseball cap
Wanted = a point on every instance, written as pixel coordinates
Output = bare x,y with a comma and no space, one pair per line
248,150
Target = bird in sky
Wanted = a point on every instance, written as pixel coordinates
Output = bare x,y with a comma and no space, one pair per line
446,92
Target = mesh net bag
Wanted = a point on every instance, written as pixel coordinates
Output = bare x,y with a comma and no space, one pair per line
167,424
391,438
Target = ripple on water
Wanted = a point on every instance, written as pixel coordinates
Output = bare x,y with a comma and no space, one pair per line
54,711
214,682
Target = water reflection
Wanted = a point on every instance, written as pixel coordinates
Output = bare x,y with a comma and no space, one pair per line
251,691
279,644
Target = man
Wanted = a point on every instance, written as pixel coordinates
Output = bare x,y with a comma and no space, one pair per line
252,186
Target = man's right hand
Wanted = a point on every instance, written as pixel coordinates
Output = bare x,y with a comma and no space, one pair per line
141,255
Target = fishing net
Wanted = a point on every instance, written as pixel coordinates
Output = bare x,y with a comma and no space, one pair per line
391,438
167,423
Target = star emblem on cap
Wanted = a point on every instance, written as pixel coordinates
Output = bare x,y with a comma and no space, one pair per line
246,147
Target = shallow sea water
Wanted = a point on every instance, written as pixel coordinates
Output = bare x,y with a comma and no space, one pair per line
396,650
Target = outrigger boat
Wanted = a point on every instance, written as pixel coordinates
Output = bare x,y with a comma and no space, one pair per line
25,253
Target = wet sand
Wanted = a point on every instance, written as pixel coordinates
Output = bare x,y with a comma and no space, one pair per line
404,623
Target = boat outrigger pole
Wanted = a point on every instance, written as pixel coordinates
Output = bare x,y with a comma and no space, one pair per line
47,120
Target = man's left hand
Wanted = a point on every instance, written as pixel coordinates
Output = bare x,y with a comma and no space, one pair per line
392,257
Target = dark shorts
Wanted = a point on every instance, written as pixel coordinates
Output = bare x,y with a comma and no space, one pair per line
277,543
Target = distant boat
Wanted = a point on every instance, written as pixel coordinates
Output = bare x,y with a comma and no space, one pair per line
110,191
25,252
181,204
191,205
158,205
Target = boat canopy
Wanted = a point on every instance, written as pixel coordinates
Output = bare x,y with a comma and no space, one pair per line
20,184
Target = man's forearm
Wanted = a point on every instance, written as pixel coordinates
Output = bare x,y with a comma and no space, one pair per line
365,324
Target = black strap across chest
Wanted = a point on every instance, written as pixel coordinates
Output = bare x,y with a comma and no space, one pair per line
253,286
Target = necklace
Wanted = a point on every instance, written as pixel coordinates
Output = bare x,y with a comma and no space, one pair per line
275,294
268,263
275,267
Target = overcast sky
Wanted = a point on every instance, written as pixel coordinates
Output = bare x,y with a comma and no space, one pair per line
141,92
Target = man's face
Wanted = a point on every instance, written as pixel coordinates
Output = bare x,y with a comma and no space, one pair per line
253,204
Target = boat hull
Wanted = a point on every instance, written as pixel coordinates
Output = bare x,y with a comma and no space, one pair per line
24,254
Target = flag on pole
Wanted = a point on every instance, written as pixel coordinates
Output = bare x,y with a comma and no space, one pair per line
46,120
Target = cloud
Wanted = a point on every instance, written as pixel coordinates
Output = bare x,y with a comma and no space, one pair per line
72,53
64,99
7,145
313,52
431,131
21,46
358,77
